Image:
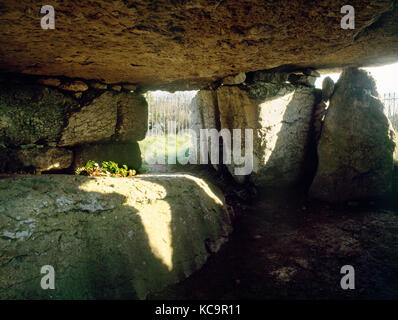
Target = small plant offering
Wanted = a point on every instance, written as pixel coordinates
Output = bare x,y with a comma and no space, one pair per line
107,168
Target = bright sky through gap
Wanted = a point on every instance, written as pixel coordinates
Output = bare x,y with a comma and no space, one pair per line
385,76
159,93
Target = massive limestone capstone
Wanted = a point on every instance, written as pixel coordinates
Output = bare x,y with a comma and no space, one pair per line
106,238
192,43
40,119
280,116
357,143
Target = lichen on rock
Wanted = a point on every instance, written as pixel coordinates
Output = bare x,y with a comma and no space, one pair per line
107,238
29,113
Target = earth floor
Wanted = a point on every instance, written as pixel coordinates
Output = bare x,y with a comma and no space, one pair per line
285,247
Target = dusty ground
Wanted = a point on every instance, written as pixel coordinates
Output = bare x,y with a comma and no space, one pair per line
284,247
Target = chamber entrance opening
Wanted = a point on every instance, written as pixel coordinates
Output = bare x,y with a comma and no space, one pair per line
168,129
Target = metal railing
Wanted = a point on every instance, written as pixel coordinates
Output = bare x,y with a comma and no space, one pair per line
175,107
168,107
390,101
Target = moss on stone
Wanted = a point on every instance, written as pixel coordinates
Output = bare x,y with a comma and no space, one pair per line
29,114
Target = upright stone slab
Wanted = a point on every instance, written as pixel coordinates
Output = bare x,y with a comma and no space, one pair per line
357,143
127,153
91,123
281,126
31,114
132,117
41,126
44,159
204,115
111,116
203,110
279,115
238,111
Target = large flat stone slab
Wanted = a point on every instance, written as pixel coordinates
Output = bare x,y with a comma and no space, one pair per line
107,238
191,43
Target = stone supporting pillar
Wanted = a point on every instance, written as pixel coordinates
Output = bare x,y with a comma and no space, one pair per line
43,122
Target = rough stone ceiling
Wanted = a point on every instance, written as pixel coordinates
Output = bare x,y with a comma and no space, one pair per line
191,43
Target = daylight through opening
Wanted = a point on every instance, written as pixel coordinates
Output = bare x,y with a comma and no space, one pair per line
168,129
